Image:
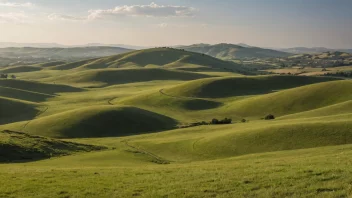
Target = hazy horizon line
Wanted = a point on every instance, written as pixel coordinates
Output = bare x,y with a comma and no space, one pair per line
145,46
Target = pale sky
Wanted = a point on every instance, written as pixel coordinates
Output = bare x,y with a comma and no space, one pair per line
264,23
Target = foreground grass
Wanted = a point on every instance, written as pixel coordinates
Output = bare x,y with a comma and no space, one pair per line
318,172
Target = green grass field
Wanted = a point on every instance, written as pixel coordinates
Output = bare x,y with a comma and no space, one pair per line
123,126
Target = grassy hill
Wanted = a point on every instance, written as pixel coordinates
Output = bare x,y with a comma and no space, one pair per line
214,142
19,69
13,110
100,121
182,104
318,172
339,108
105,77
231,51
293,100
23,94
49,64
240,86
38,87
156,57
19,147
167,104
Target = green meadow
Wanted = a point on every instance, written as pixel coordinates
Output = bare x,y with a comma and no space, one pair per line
128,126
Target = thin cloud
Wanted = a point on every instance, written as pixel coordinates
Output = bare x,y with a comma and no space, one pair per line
63,17
13,18
13,4
151,10
162,25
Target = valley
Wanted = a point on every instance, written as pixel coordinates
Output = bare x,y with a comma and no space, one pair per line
113,126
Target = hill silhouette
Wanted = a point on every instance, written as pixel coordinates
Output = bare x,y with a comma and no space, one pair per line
241,86
100,121
21,147
231,51
105,77
156,57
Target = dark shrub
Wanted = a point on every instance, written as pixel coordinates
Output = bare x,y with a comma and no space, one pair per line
226,121
215,121
269,117
243,120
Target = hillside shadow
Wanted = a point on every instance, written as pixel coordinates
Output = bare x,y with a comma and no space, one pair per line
41,88
230,87
143,75
129,121
20,147
14,111
23,95
199,104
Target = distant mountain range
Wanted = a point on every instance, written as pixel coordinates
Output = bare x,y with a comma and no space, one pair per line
231,51
313,50
164,57
55,45
258,52
76,52
32,55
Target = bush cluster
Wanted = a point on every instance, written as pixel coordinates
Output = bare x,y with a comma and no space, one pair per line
6,76
224,121
340,74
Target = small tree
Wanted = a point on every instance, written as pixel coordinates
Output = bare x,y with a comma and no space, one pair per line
243,120
13,76
269,117
215,121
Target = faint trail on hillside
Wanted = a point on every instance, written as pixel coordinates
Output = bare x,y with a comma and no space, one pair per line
109,101
195,142
161,91
38,114
158,159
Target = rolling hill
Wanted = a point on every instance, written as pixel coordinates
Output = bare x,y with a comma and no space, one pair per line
231,51
240,86
33,86
106,77
156,57
12,110
21,147
291,101
100,121
214,142
19,69
187,106
23,94
49,64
